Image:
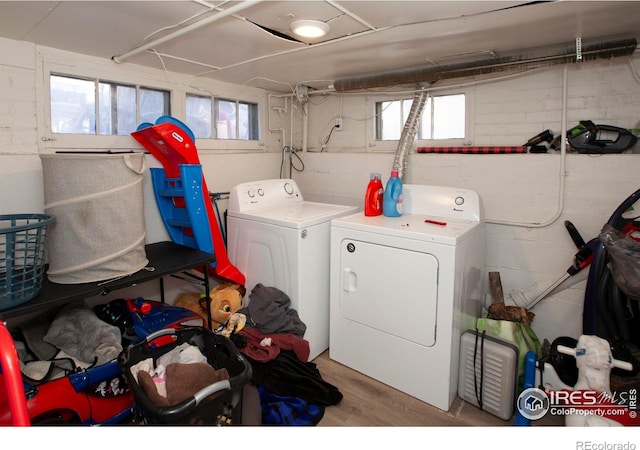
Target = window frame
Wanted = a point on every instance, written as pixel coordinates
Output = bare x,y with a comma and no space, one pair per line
190,94
213,112
378,145
238,103
53,61
99,106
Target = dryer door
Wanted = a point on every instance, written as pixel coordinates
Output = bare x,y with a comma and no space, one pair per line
392,290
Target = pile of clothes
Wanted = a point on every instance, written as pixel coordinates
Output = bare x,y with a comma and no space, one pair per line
292,390
177,375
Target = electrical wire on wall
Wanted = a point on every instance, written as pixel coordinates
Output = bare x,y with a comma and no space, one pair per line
323,144
325,141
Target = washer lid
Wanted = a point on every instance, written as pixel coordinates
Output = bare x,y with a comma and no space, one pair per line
439,230
296,215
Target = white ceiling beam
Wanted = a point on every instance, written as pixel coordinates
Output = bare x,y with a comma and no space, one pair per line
194,26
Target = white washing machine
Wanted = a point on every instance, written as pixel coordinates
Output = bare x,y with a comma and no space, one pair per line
276,238
404,289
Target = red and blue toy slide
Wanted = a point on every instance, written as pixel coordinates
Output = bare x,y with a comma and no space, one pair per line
181,192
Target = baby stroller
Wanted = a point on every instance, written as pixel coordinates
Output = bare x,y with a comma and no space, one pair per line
218,403
612,297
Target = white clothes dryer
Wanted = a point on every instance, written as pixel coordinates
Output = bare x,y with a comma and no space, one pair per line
276,238
404,289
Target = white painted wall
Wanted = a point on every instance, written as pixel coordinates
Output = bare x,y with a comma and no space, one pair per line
518,189
21,142
22,137
533,249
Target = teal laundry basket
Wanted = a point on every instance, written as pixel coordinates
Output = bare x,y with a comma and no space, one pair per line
23,242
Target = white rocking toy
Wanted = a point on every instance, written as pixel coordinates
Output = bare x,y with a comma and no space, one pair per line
594,361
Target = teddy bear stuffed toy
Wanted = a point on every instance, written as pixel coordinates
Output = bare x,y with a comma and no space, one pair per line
226,301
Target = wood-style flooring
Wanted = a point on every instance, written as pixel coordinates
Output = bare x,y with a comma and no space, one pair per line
368,402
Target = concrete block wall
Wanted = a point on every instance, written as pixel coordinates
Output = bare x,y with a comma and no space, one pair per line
21,187
521,194
526,198
21,178
20,170
17,98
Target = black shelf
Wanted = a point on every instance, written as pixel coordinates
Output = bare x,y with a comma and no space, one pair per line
166,258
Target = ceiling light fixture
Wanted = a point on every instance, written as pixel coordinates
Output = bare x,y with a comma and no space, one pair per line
310,28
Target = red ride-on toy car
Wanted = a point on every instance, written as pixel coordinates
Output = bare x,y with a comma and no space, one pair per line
99,394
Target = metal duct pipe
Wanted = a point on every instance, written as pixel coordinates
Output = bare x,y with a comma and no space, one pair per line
194,26
607,50
408,135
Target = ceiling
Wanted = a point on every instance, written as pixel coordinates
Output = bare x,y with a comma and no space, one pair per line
249,42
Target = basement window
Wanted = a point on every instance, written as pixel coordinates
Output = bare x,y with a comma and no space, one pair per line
96,107
199,113
443,117
224,119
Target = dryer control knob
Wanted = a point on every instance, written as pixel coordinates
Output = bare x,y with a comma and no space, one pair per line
251,193
261,192
459,200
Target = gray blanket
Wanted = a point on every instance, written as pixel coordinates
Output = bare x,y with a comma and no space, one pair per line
270,310
77,331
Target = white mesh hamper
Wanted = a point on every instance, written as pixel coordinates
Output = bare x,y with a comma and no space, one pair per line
97,201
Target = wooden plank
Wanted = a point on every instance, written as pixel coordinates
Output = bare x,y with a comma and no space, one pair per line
495,287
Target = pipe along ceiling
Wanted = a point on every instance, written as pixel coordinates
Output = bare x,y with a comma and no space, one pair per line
575,53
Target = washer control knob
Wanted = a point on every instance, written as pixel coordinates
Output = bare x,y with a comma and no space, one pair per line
251,193
288,188
260,192
459,200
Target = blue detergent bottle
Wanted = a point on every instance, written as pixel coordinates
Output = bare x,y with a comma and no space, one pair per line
392,200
